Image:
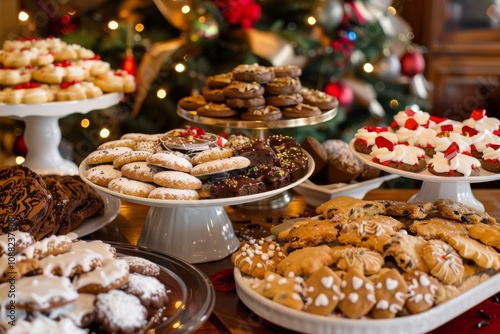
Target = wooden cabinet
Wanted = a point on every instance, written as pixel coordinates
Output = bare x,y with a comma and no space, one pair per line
462,40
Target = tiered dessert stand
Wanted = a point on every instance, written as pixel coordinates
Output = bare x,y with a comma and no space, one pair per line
42,133
195,231
435,187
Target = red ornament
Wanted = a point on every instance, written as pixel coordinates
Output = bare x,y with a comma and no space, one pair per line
129,63
412,63
343,93
239,12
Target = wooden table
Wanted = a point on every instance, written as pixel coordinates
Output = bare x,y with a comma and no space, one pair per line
230,315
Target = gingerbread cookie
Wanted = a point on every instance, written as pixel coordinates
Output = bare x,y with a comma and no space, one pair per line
391,292
215,95
319,99
423,289
287,71
141,266
287,291
219,80
359,294
323,291
255,257
284,100
213,153
283,85
112,275
305,261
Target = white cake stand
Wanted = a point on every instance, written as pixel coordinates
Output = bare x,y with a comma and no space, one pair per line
195,231
42,133
435,187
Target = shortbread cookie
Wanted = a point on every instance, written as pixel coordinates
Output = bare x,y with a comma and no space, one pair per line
220,166
323,291
407,251
171,161
359,294
148,289
105,155
462,212
414,210
287,291
484,256
349,207
141,265
305,261
438,228
130,187
177,180
140,171
213,153
423,290
373,232
443,261
487,234
311,232
346,257
130,317
391,292
255,257
42,292
132,156
174,194
102,174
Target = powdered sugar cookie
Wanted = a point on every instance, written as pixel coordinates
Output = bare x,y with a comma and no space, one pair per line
140,171
220,166
105,155
131,143
177,180
171,161
213,153
132,156
148,289
174,194
130,187
102,174
130,317
141,266
80,311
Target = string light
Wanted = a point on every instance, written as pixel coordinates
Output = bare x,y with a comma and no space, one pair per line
394,104
85,123
19,160
139,27
180,68
113,25
23,16
185,9
392,10
368,68
161,93
311,20
104,133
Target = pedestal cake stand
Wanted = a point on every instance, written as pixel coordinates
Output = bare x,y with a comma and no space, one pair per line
195,231
434,187
42,133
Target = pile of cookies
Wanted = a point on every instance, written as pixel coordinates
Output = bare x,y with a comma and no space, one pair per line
378,259
44,205
35,70
190,164
416,141
258,93
56,285
335,163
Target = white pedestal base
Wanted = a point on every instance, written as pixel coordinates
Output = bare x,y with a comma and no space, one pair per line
457,191
195,235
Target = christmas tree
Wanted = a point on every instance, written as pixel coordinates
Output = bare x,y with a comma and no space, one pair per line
360,51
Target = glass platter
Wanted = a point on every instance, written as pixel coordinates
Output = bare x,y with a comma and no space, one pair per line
192,296
111,210
195,231
309,323
434,186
